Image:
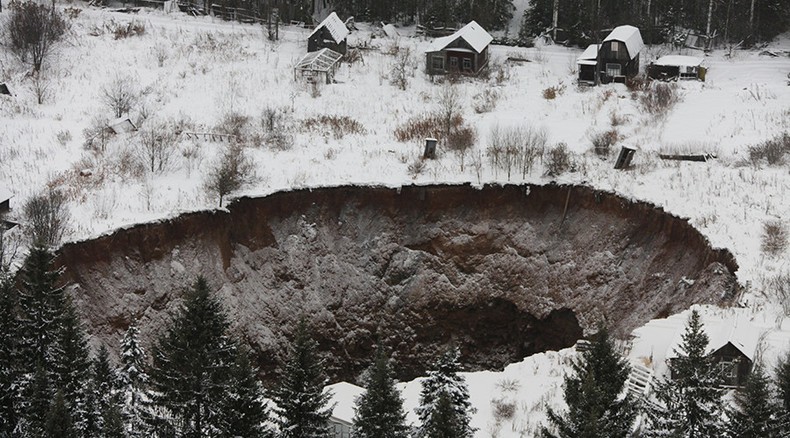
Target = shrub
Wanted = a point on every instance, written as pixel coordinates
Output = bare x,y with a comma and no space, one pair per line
485,101
126,30
416,167
774,240
558,160
47,217
120,95
515,148
401,66
277,124
156,145
97,134
339,126
552,92
426,125
234,123
773,151
603,141
658,98
637,83
33,29
229,173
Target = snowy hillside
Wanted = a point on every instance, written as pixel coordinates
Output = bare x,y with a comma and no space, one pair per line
192,73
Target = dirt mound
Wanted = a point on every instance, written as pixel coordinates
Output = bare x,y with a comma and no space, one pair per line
502,271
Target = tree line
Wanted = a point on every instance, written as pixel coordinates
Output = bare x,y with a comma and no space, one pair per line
197,382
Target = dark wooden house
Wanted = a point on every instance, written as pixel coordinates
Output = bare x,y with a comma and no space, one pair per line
586,64
5,200
673,67
618,56
464,52
330,34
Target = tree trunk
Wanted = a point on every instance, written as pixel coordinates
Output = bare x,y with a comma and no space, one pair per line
555,19
751,18
710,18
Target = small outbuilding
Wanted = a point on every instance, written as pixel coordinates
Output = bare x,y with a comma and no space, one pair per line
343,400
5,200
673,67
332,33
619,53
586,64
4,89
318,66
465,51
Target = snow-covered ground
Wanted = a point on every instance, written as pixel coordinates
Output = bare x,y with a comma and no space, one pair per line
193,71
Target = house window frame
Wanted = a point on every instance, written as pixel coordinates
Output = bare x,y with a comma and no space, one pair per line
437,62
453,62
615,46
611,67
467,63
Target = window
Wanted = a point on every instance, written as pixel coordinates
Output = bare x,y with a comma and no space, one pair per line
453,62
467,64
437,63
613,70
615,46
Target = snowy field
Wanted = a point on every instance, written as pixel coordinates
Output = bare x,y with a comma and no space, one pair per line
191,72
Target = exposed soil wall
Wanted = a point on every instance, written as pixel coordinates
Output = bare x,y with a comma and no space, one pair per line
502,271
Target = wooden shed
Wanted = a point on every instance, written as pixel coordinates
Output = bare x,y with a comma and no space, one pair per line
318,66
343,396
5,200
673,67
618,56
465,51
330,34
586,64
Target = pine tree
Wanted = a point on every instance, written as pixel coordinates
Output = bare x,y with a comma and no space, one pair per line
72,363
301,403
689,403
379,411
191,365
133,380
59,423
755,414
783,386
9,366
36,401
444,379
105,399
244,411
592,393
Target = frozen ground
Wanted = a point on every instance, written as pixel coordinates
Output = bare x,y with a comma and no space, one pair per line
193,71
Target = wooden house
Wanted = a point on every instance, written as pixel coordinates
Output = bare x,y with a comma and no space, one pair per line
465,51
330,34
618,56
5,200
586,64
673,67
343,396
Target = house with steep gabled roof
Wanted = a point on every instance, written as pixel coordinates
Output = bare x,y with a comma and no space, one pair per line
332,34
5,199
465,51
618,56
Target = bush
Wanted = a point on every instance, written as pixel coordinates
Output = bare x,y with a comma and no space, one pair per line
156,145
229,173
558,160
33,29
120,95
126,30
339,126
603,141
234,123
277,124
774,240
552,92
485,101
637,83
773,151
401,67
97,134
426,125
515,148
47,217
658,98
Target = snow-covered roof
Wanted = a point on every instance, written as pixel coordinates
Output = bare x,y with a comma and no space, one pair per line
344,397
589,56
472,33
630,36
336,27
5,194
679,61
320,60
735,330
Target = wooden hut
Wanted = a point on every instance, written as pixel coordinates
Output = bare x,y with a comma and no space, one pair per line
5,200
673,67
618,56
330,34
465,51
343,396
586,64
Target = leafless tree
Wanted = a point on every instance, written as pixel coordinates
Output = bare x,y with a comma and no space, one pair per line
40,87
449,108
32,30
401,66
120,95
47,217
156,145
233,169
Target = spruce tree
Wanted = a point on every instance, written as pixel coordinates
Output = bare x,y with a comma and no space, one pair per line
755,413
688,404
783,387
593,395
36,401
244,411
9,366
106,401
133,380
379,411
302,406
191,365
72,368
59,423
444,379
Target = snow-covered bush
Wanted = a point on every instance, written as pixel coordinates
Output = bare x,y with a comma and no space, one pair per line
47,217
603,141
229,172
773,151
774,239
338,126
156,145
658,98
558,160
401,67
485,101
120,95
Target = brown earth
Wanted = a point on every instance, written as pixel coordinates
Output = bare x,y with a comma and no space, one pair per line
502,271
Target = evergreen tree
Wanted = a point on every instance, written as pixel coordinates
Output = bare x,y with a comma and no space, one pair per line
783,386
36,401
191,365
592,393
444,379
755,414
379,411
9,367
244,411
689,404
301,403
105,400
443,421
133,380
72,368
59,423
